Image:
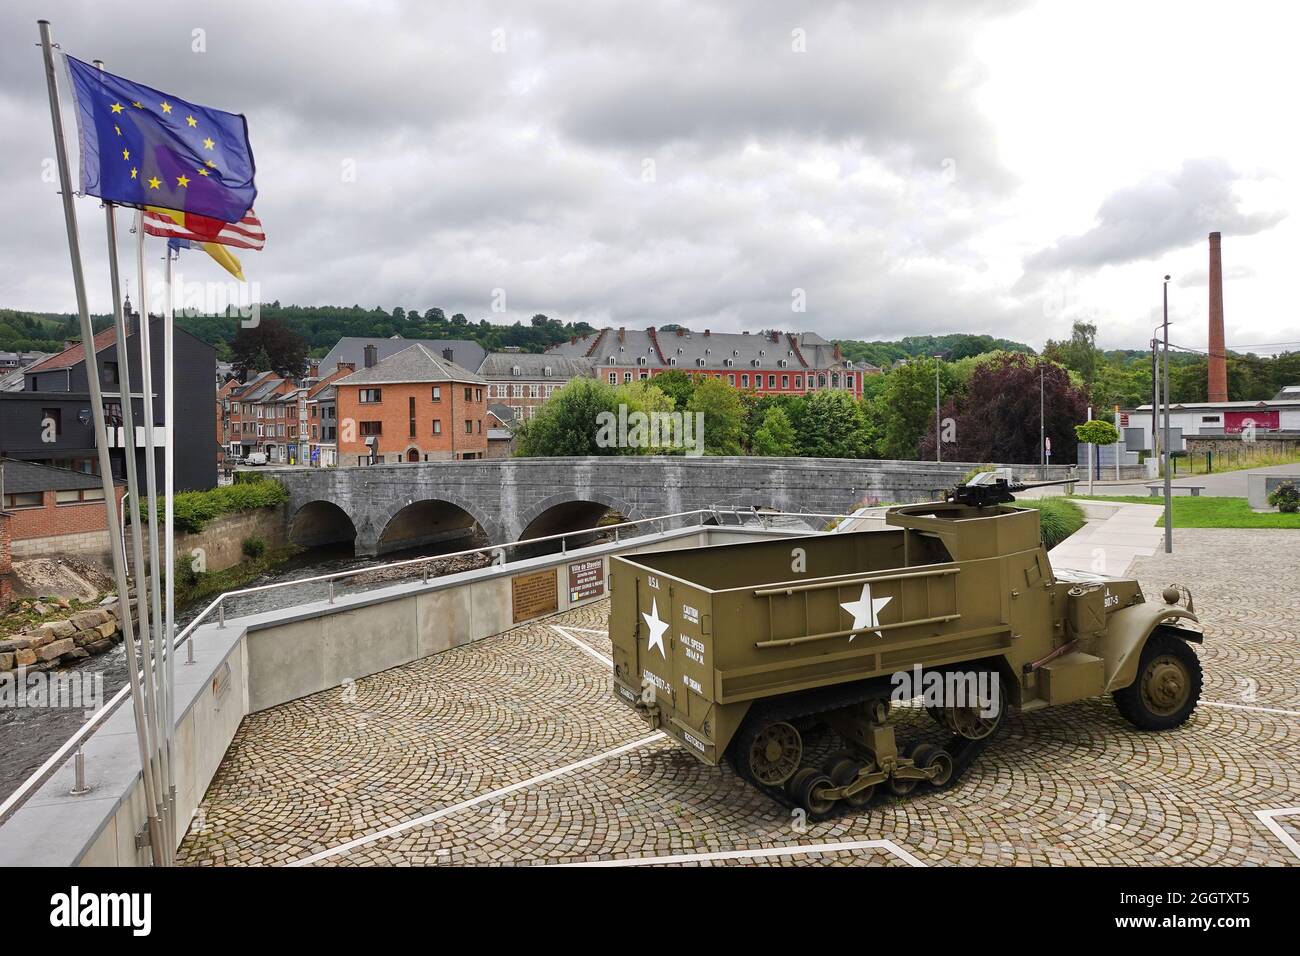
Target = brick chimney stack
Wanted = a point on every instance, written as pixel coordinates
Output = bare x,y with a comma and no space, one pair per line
1218,384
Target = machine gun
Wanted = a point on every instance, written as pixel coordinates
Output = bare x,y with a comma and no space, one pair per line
993,490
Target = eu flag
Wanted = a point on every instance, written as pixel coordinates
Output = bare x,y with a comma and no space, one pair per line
141,147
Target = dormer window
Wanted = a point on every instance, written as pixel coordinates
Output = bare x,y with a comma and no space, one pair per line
728,362
640,360
515,370
673,360
700,362
782,362
547,371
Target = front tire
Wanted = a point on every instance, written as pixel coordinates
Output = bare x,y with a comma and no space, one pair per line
1167,686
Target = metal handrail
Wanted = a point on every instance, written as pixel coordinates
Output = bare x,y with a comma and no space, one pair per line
75,743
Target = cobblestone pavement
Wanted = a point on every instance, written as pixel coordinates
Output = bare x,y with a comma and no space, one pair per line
445,752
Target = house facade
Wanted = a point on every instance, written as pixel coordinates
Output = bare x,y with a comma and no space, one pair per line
54,511
522,381
412,406
791,363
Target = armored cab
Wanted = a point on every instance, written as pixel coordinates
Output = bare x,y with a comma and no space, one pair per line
741,651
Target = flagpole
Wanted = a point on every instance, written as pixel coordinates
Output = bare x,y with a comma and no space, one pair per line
155,567
101,444
169,494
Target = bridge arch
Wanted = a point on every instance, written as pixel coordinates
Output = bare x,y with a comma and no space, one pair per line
432,520
571,511
318,523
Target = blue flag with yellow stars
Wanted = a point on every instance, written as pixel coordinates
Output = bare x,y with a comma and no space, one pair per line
140,147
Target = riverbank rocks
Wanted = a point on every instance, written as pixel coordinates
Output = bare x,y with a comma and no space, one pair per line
83,620
57,643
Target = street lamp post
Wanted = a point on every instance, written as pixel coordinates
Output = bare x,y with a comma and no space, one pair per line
938,425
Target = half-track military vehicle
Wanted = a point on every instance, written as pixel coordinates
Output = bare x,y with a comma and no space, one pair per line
746,651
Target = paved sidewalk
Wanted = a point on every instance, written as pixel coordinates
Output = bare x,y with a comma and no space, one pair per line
1114,535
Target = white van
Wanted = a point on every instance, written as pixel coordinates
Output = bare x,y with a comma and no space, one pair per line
256,458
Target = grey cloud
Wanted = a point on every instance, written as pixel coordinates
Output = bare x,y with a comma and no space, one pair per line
1160,214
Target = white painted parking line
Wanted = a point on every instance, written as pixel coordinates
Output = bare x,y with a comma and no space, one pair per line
475,801
797,850
1269,819
1262,710
588,630
582,645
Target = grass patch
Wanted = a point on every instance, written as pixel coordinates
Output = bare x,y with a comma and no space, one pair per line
1194,464
1192,512
1058,518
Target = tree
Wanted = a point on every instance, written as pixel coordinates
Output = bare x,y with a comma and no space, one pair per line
997,418
567,423
905,406
677,385
720,404
269,346
1079,354
642,396
775,437
1097,432
834,425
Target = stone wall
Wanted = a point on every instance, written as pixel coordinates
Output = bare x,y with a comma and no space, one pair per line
505,496
1232,449
221,542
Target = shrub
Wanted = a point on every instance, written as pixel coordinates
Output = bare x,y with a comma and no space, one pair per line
1058,519
194,509
1285,497
254,546
977,470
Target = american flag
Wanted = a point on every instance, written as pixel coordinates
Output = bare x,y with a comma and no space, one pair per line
172,224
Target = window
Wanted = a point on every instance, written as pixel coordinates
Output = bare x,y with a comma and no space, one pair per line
731,379
516,391
771,381
110,373
54,415
469,394
613,378
78,495
369,429
785,381
798,381
368,396
410,414
627,376
478,425
469,427
643,376
478,393
744,381
437,393
534,391
437,426
314,433
25,499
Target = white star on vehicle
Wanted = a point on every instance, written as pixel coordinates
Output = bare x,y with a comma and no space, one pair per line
657,628
865,610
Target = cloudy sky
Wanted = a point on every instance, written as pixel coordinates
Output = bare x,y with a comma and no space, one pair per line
898,166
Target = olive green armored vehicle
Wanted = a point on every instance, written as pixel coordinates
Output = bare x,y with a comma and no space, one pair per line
749,651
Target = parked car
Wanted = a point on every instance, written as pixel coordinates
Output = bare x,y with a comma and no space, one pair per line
256,458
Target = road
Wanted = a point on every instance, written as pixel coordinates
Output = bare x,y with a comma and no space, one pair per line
1226,484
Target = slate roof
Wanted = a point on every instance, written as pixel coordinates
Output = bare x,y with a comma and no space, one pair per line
466,354
532,365
74,354
27,476
415,363
686,349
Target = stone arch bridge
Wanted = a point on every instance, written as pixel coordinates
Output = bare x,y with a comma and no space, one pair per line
385,508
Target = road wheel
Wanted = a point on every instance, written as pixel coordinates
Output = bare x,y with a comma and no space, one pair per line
928,755
769,752
805,787
900,787
1167,686
845,771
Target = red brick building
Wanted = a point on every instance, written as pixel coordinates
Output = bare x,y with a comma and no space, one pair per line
55,510
411,406
793,363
